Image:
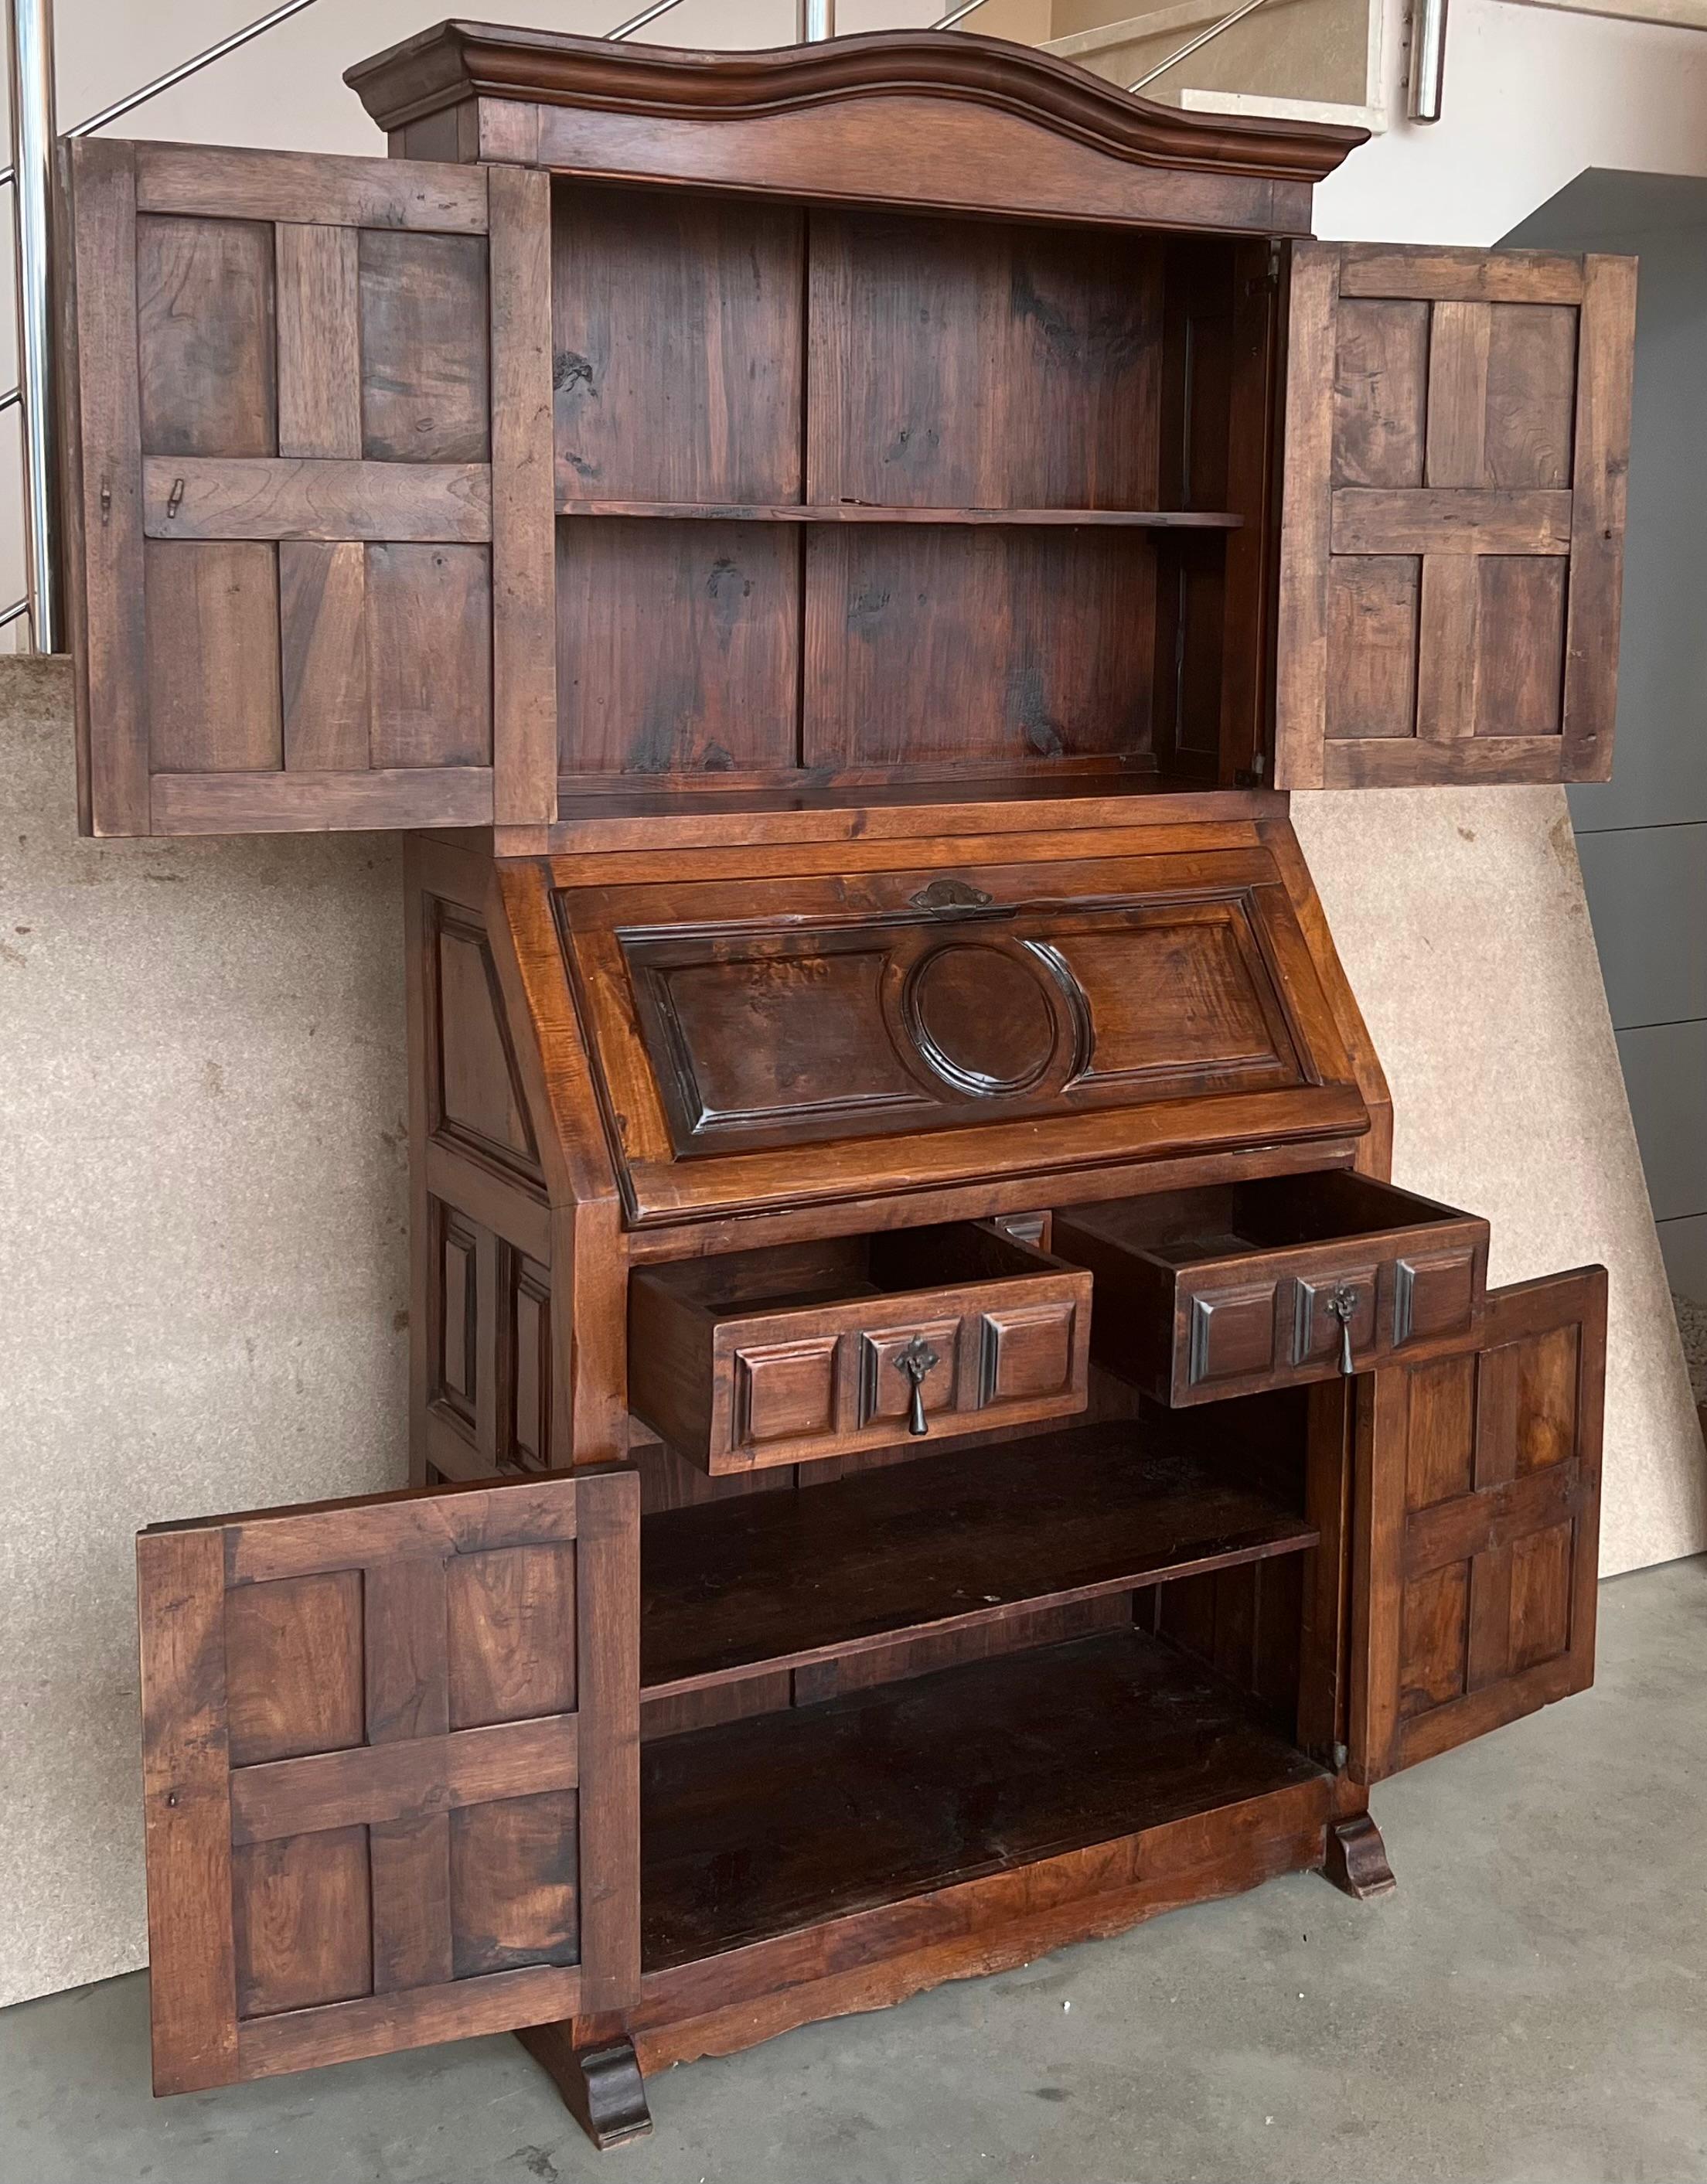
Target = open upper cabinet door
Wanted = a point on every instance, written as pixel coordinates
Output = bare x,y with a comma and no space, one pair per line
1457,436
308,451
391,1772
1478,1489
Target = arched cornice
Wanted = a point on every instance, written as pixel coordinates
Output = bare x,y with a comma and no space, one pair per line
458,61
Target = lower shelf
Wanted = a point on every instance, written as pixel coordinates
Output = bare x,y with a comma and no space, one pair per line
762,1827
776,1580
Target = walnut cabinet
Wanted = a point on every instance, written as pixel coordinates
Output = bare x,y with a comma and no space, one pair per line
933,1433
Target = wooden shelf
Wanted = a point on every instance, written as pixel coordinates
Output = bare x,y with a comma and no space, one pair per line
785,1820
734,1589
713,511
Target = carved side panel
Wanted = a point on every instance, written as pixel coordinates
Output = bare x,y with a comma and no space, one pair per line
475,1097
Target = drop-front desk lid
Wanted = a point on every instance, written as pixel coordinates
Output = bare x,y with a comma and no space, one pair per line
775,1041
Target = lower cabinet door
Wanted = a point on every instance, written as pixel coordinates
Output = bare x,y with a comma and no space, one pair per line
391,1771
1478,1497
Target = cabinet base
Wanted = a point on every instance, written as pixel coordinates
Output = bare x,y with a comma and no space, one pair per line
1357,1858
601,2085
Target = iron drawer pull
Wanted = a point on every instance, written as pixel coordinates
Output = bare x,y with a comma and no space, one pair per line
1343,1304
918,1359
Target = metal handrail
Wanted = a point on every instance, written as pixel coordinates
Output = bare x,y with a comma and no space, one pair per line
1193,45
216,52
1427,89
639,22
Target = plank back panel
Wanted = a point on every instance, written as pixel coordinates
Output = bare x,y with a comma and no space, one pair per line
956,363
298,510
390,1754
1453,526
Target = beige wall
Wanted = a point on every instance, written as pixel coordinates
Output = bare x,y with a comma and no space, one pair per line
203,1234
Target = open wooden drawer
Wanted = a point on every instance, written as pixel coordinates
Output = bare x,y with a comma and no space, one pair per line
1225,1290
820,1349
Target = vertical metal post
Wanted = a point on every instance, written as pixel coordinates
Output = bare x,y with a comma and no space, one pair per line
30,25
814,21
1427,60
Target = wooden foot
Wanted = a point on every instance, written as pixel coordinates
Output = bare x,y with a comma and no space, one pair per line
601,2085
1357,1859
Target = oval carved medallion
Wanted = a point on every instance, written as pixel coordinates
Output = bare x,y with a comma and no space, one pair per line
981,1018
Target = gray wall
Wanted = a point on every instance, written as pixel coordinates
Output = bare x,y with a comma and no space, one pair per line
1642,836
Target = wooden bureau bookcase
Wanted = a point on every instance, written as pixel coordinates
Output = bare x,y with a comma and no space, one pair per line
933,1435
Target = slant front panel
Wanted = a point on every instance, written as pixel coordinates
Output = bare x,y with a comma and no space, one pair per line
1101,1000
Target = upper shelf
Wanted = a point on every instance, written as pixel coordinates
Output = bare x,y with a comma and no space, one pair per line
713,511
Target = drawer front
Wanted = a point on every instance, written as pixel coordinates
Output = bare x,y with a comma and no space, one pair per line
1242,1325
830,1380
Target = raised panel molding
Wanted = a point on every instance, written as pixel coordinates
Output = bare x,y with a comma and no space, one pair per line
476,1100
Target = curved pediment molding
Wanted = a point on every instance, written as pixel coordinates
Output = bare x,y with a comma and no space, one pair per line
458,61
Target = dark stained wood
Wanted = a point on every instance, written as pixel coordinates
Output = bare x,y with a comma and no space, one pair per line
1453,525
833,521
929,117
721,511
186,1811
733,1588
315,801
1217,1293
523,535
676,647
205,336
425,362
779,1357
471,1816
827,1810
386,194
1044,635
992,1924
676,340
1479,1476
304,444
324,665
429,637
981,365
1151,987
319,341
103,488
221,603
193,497
1604,371
1357,1859
601,2085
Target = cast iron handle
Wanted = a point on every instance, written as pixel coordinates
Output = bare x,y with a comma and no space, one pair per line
918,1359
951,894
1343,1305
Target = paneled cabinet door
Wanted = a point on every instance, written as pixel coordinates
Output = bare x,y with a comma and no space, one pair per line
1478,1490
1457,435
391,1772
309,488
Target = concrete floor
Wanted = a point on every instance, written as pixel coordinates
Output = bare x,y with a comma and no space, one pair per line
1532,2004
